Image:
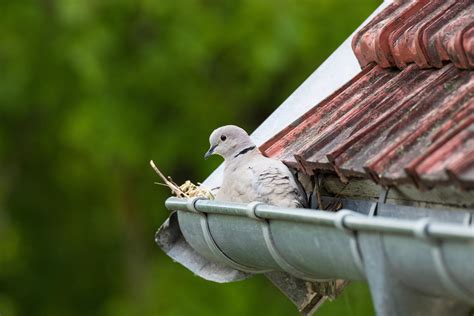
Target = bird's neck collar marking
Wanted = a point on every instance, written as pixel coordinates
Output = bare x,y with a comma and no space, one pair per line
245,150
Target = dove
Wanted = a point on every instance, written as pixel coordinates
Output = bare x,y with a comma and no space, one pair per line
249,175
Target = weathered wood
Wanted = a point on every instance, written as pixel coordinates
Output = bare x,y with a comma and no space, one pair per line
440,197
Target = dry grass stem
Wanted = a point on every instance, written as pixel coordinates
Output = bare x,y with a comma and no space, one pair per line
186,190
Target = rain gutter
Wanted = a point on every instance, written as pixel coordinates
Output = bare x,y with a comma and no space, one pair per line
415,260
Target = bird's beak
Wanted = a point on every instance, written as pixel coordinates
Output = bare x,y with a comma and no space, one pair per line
210,152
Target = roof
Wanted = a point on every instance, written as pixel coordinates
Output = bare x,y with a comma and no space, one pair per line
425,32
318,86
408,116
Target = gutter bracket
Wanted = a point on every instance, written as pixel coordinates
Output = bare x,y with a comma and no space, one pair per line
211,243
390,296
354,244
444,275
270,244
382,199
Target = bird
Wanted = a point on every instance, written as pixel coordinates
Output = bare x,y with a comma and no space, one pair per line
249,175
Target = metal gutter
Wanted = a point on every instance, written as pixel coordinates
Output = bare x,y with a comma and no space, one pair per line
351,221
423,263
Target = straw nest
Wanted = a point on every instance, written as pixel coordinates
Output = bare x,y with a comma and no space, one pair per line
186,190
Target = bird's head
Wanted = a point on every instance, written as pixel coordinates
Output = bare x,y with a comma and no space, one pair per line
228,141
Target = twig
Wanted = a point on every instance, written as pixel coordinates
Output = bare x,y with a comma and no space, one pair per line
336,204
174,188
162,184
320,201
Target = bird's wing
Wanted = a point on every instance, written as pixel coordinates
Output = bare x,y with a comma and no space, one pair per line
237,184
273,183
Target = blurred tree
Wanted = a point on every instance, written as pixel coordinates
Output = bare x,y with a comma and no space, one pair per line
89,92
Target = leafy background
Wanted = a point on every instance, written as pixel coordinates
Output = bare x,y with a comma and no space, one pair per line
90,91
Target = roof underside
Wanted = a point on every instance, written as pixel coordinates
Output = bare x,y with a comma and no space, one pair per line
408,116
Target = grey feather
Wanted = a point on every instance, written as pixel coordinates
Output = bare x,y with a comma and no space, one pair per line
250,176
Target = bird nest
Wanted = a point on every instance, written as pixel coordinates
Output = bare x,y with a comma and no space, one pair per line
186,190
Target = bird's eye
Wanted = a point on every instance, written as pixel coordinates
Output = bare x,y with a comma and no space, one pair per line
223,137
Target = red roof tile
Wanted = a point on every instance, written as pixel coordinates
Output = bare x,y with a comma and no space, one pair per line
397,126
428,32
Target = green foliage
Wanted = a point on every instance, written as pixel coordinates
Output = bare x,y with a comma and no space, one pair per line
90,91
